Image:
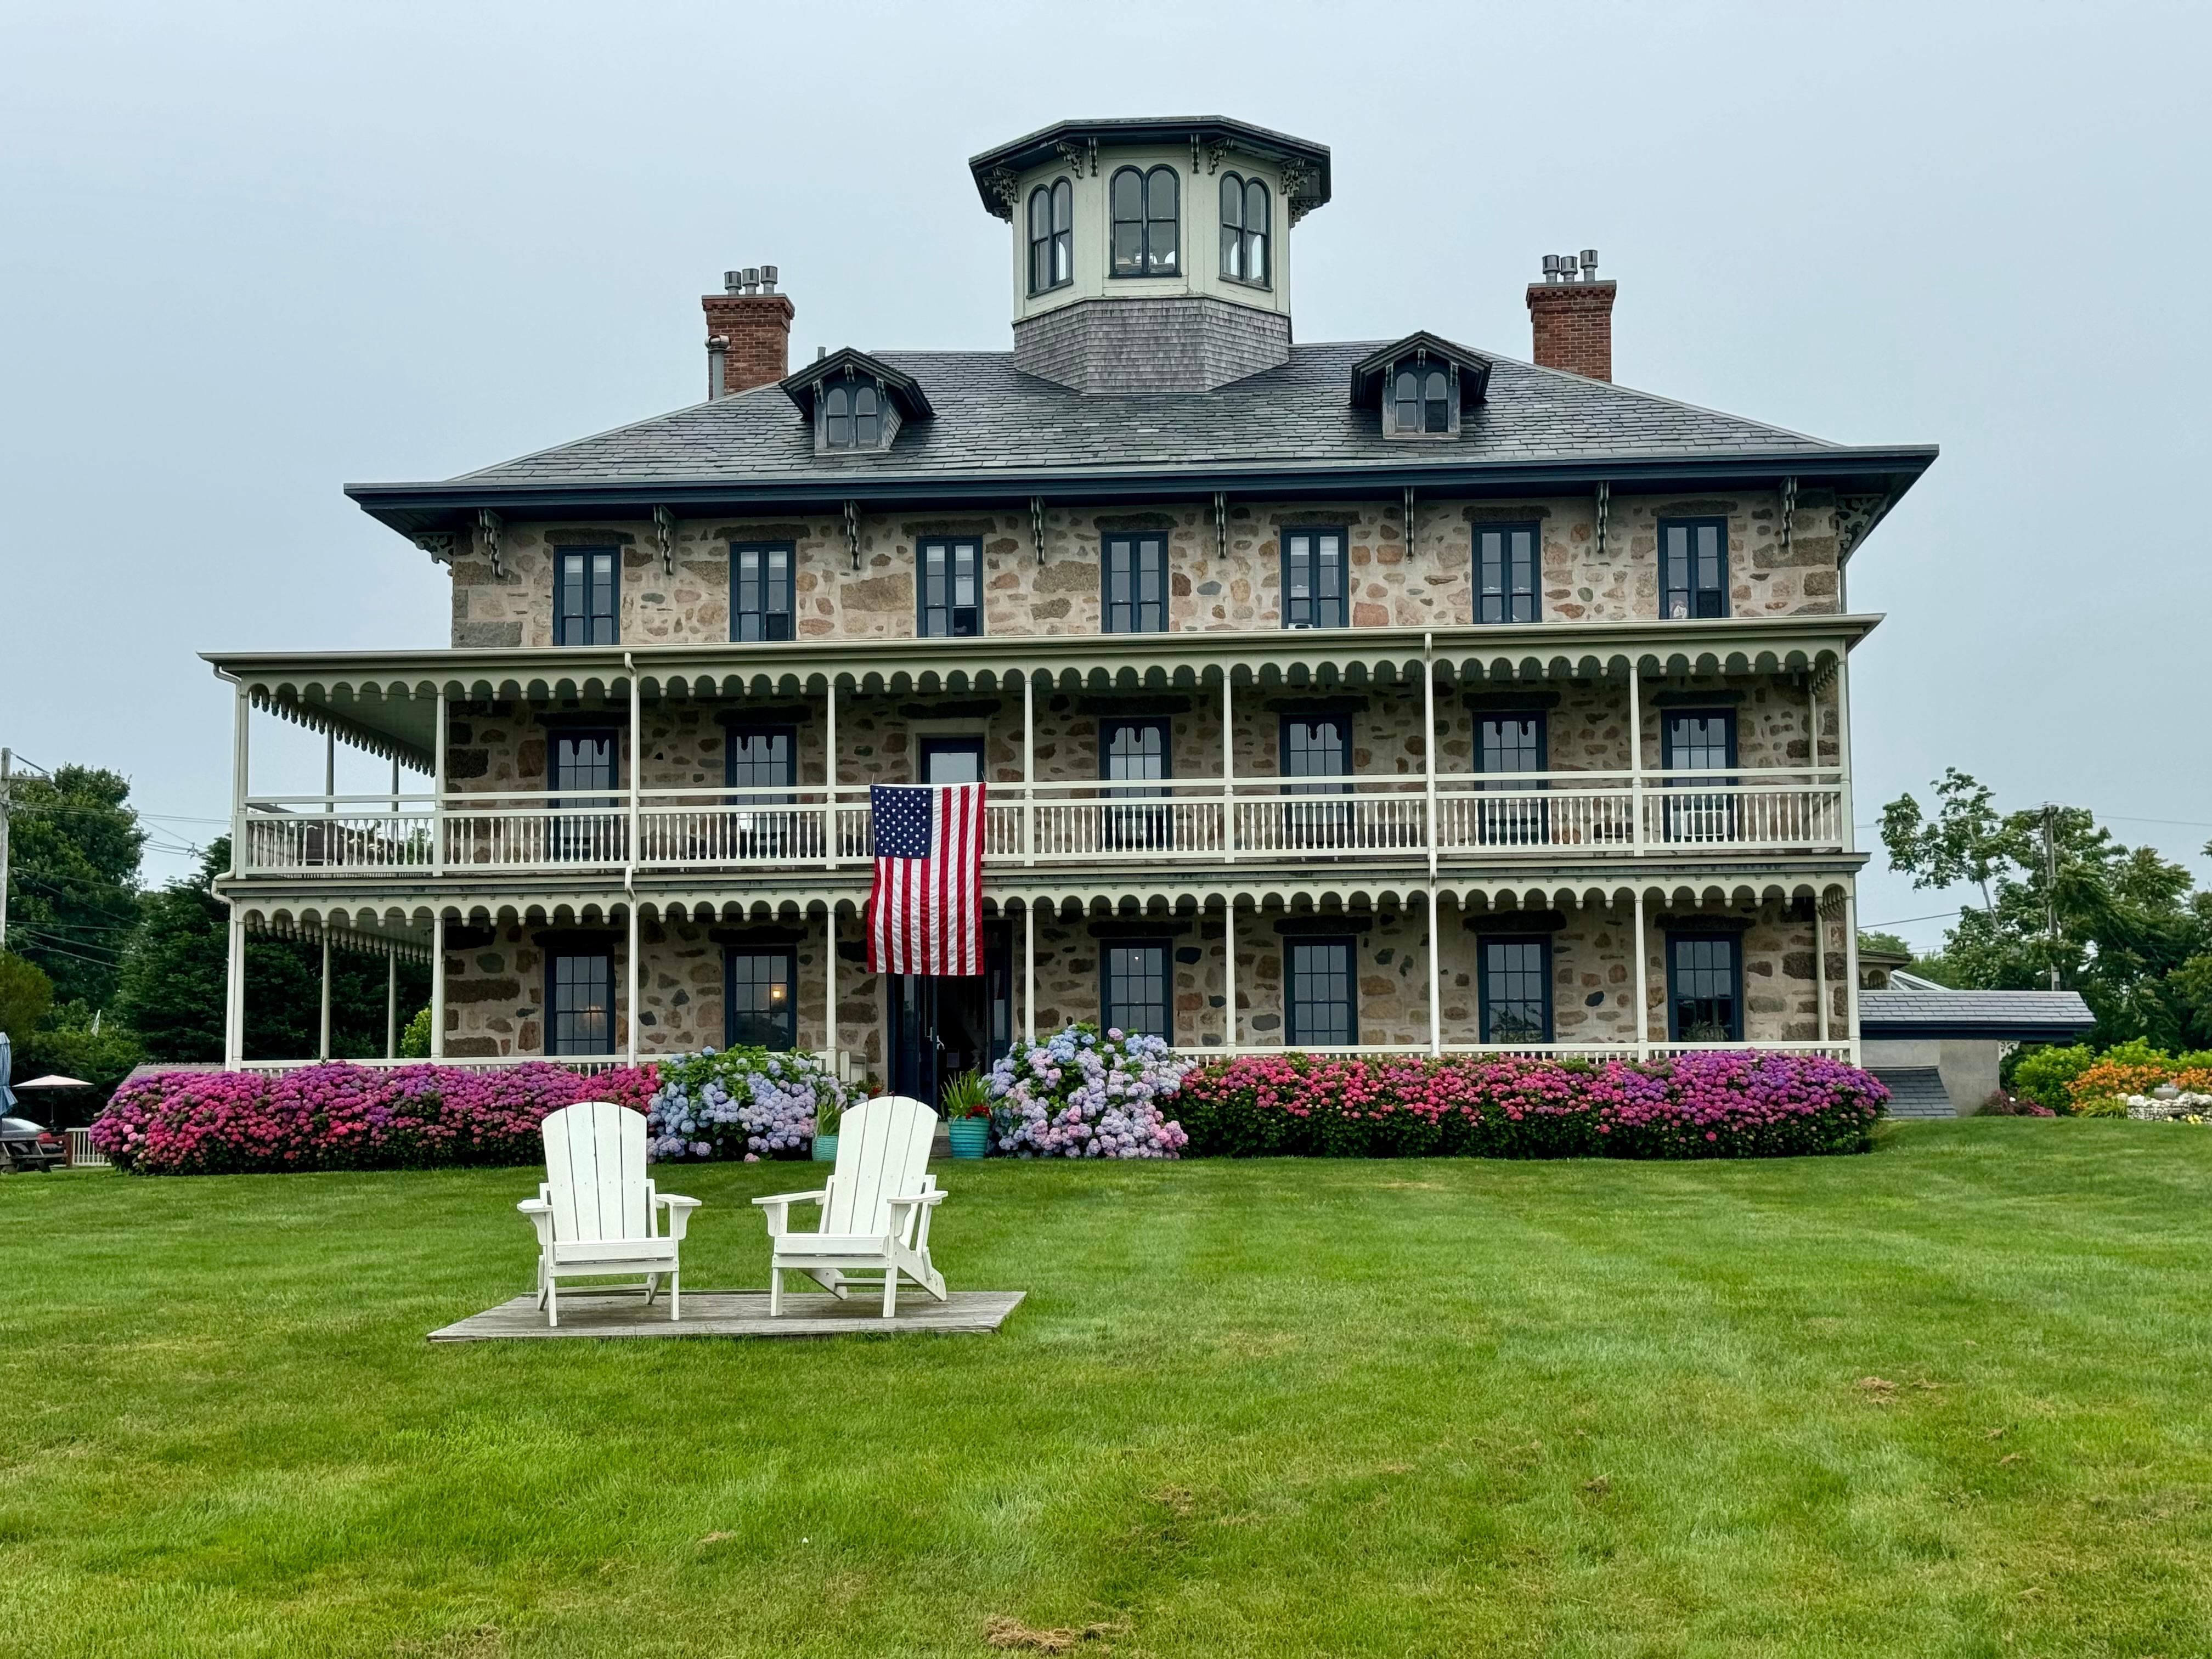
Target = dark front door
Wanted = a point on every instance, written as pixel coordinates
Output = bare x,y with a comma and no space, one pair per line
942,1027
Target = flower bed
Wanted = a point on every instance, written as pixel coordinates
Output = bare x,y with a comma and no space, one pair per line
1086,1094
1717,1105
346,1117
740,1104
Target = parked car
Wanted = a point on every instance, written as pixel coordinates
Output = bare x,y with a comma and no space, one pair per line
27,1145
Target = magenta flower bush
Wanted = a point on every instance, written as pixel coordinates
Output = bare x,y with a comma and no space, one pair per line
1085,1095
1705,1105
346,1117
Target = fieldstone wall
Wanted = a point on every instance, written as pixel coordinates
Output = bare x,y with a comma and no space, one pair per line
1392,581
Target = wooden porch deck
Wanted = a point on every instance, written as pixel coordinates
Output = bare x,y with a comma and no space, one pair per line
737,1313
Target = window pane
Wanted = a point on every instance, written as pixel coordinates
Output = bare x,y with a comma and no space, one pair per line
1161,227
581,1018
764,1012
1515,1006
1232,223
1129,194
1063,258
1702,973
867,420
1437,399
1040,214
1135,993
1255,209
1320,1006
1063,206
1128,249
840,419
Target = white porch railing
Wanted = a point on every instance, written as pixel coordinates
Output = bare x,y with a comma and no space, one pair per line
1180,820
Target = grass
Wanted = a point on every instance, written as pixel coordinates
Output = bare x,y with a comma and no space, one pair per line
1947,1399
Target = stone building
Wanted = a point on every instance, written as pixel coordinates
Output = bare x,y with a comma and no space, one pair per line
1394,696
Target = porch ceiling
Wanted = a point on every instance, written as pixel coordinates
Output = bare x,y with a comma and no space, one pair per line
386,702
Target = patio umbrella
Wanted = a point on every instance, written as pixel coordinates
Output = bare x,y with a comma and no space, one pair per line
55,1080
7,1061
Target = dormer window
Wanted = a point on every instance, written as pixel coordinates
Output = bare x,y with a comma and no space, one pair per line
852,416
1147,223
1052,236
1244,224
1421,400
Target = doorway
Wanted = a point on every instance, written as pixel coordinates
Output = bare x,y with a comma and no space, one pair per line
940,1027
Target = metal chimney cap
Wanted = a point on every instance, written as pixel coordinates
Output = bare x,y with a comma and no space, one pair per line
768,279
733,282
1589,263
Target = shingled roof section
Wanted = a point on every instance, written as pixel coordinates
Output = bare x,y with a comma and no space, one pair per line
992,418
2016,1016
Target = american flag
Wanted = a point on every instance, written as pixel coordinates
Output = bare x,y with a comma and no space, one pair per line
926,910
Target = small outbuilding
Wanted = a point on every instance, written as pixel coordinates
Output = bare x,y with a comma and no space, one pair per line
1938,1049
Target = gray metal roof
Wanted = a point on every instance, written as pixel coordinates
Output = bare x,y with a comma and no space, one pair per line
992,417
2027,1015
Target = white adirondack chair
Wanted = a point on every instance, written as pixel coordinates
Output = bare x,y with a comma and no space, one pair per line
594,1212
875,1212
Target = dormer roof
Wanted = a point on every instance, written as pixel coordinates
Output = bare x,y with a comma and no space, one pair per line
1370,372
848,363
1304,163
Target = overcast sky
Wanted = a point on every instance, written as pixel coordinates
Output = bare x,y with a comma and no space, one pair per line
252,252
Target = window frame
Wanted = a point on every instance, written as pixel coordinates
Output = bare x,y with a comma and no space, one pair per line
932,744
1508,595
1512,822
1316,782
1422,370
561,589
1242,230
599,830
1314,600
558,1042
838,398
951,545
1705,936
788,1020
1057,242
1146,263
1691,526
1128,542
1147,826
1483,942
1349,943
789,612
1106,983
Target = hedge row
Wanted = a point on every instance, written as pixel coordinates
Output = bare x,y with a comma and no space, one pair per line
346,1117
1707,1105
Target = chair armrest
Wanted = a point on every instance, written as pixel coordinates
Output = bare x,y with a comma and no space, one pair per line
778,1206
937,1197
679,1211
795,1198
540,1213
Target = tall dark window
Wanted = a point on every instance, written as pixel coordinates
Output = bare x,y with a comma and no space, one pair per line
1505,574
1320,1006
1148,231
1133,983
1693,567
950,591
1704,988
760,764
584,769
761,583
851,415
1136,578
1516,988
1506,746
1314,579
953,760
1691,741
1135,754
1245,222
760,1002
1420,400
1052,236
580,1002
587,596
1317,746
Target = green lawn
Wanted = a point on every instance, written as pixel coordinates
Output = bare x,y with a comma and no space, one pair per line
1261,1408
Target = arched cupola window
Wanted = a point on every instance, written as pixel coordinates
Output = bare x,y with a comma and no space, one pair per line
1147,223
1421,399
852,416
1244,226
1052,236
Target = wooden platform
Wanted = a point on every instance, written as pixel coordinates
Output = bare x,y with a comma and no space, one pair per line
737,1313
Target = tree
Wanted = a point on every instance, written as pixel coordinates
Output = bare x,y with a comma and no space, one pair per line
73,878
2123,925
175,972
26,994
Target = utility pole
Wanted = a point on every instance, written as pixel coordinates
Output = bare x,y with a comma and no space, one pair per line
2051,886
7,771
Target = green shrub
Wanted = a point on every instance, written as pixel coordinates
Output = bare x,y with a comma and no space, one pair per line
2101,1106
26,994
2042,1074
415,1040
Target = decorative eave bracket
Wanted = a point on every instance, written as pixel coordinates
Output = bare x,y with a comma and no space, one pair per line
1789,513
1604,510
1409,523
1036,526
853,530
1221,523
1854,516
664,527
491,531
438,543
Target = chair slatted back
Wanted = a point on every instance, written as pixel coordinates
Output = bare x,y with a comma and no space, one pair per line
882,1152
595,1166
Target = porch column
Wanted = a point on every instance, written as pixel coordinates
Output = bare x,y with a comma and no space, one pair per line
234,995
1435,946
1029,970
330,771
1821,964
636,761
1428,791
241,720
1642,983
323,1048
829,986
1228,768
438,866
1851,970
630,1025
1029,768
438,946
1229,1024
830,777
1636,760
391,1005
1847,831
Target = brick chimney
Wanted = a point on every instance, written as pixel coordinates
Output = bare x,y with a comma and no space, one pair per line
1571,313
748,332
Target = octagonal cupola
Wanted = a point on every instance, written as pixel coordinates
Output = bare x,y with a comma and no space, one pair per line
1151,255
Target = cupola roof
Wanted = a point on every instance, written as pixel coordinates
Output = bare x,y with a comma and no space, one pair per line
1305,164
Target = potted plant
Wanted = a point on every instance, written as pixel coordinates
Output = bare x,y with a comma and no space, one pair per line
826,1116
967,1103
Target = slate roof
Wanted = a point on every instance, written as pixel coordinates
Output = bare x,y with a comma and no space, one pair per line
2027,1016
992,418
